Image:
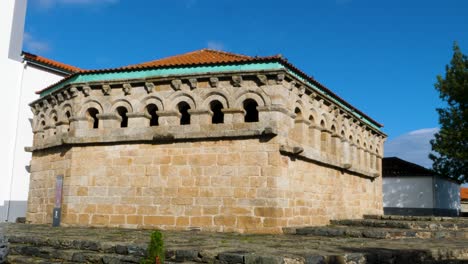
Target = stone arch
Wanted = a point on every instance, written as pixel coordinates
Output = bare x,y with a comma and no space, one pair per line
91,104
40,122
121,103
313,117
53,117
220,96
152,100
260,98
179,97
66,108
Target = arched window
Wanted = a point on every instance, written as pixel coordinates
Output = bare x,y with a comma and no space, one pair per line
92,117
185,115
251,112
122,112
68,115
218,115
298,113
151,109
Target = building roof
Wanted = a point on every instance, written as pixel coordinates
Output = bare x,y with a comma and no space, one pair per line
394,166
464,194
198,57
209,57
55,65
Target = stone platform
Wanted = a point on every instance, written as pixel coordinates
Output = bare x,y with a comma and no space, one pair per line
380,240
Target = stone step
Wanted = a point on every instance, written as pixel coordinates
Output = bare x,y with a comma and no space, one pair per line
379,233
18,259
69,255
417,218
132,249
427,225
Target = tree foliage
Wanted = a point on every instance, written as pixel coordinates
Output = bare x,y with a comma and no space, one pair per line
155,254
450,144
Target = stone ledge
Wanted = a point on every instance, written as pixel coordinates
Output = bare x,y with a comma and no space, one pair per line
311,155
157,137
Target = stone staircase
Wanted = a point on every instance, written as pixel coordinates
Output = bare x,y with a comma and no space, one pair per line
391,227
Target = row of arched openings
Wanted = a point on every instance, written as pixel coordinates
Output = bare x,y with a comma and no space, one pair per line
216,107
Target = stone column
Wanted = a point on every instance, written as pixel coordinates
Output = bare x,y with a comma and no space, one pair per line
346,154
109,121
63,127
168,118
233,115
138,120
300,132
325,139
314,136
335,149
200,117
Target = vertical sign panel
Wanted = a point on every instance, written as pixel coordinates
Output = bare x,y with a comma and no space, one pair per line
56,214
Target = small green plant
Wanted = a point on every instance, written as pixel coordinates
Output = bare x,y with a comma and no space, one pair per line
155,253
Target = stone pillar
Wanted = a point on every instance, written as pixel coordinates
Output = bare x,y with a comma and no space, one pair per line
300,132
63,127
200,117
314,136
325,139
168,118
346,154
335,149
109,121
138,120
233,115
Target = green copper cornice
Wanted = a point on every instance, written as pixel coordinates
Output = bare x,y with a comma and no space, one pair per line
141,74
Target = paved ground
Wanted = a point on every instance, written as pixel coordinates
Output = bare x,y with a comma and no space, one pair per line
210,246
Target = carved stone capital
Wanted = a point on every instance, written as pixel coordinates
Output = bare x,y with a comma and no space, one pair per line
149,87
60,97
193,83
292,84
301,90
236,80
176,84
263,79
73,92
214,81
280,78
86,90
127,88
106,89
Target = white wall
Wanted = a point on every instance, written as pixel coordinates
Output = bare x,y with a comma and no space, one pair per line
447,194
19,82
409,192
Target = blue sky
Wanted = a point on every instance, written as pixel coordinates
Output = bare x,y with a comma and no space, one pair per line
381,56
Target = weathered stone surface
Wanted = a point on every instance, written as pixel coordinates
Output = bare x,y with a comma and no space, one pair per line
73,244
156,152
4,250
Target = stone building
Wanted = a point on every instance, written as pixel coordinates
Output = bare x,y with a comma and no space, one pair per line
204,140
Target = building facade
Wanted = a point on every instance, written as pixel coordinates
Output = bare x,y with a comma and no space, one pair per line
205,140
410,189
23,73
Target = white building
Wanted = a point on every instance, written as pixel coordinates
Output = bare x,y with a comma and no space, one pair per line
410,189
22,75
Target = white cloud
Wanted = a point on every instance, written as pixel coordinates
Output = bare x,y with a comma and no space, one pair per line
215,45
35,45
413,146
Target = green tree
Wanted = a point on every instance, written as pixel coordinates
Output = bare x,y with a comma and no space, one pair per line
450,144
155,254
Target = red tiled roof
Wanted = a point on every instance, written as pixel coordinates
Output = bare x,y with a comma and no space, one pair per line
50,63
464,194
214,57
204,56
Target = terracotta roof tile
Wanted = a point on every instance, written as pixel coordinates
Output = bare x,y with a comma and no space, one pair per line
50,63
204,56
464,194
